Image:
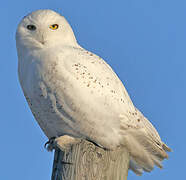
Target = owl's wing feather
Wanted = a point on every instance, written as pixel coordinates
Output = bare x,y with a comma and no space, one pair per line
111,116
143,143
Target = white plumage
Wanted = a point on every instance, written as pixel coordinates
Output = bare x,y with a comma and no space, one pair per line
74,92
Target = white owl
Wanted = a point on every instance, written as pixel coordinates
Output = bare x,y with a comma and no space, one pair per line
73,92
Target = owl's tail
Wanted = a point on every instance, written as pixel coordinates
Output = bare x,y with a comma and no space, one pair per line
144,152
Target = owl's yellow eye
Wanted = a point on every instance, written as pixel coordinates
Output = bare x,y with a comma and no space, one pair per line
54,26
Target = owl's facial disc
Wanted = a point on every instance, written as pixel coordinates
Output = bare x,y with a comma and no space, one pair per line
44,28
41,37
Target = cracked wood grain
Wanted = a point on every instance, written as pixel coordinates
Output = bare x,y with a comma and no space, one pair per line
85,161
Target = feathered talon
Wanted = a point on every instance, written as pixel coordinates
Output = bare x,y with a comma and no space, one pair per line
50,144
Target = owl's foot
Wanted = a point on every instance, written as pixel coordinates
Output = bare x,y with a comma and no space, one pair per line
50,144
65,142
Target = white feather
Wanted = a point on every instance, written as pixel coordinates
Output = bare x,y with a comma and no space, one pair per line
74,92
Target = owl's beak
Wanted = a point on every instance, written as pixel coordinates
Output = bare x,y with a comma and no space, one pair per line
41,37
42,40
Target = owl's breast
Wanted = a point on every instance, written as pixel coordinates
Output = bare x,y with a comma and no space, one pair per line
41,87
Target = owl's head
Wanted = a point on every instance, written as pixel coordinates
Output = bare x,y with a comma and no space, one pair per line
44,28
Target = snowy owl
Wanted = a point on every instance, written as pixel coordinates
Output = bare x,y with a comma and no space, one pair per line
74,93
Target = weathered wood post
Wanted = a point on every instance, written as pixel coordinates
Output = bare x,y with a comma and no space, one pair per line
85,161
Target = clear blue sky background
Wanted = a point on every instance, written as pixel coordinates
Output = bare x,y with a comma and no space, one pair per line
145,43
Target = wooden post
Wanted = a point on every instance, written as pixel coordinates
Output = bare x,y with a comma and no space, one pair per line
85,161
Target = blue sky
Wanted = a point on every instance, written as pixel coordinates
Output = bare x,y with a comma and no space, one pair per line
145,43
